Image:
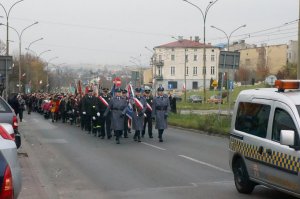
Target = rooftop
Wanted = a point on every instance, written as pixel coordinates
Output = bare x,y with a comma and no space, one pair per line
185,43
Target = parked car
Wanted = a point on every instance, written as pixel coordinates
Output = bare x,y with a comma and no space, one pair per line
177,97
7,115
10,171
195,99
215,99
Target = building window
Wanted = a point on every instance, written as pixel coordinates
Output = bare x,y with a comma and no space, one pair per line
195,85
247,62
195,57
172,49
212,70
187,71
159,71
195,70
159,58
204,70
172,85
213,58
195,50
173,57
172,70
186,58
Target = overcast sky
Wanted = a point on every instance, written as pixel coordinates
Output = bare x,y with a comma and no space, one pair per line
112,31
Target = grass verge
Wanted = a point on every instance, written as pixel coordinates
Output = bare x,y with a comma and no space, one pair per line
213,123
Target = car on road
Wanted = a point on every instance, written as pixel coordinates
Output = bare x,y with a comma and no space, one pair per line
264,140
215,99
10,171
7,115
195,99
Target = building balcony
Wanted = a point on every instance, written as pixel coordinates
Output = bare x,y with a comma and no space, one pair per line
159,77
158,63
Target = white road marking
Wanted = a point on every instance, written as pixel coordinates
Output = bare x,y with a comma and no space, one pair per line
205,164
154,146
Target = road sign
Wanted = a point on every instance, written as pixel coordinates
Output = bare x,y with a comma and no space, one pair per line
229,60
117,81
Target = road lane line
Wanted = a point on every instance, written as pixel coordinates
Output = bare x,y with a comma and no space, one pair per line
153,146
205,164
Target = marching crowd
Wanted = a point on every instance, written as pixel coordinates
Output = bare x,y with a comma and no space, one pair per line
103,115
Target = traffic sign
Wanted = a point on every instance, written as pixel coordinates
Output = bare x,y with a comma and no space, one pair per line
214,83
117,81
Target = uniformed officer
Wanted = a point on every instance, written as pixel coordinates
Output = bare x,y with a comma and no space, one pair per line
90,107
138,114
117,106
160,111
126,118
148,119
105,122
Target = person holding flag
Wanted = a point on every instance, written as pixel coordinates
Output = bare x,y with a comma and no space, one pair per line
139,109
118,107
160,111
148,119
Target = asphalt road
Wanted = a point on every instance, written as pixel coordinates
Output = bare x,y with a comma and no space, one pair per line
67,163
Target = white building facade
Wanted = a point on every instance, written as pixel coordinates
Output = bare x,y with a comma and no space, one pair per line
182,61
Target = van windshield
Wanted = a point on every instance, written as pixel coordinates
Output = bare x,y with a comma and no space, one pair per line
298,108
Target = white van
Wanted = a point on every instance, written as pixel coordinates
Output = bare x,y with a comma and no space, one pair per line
264,138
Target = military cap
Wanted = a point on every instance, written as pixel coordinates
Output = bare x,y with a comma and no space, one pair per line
147,91
160,89
124,91
138,90
105,89
90,90
117,90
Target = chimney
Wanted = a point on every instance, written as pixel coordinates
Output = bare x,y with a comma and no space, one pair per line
197,39
180,38
191,38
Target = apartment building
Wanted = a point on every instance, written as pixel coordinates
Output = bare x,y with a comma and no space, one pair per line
182,61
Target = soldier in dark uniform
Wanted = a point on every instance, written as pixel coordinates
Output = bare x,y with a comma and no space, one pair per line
117,106
138,115
90,106
160,111
126,128
148,118
105,122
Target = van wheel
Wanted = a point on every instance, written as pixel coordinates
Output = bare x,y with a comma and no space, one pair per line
241,179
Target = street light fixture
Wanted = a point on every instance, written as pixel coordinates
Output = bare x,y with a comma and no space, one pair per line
228,43
204,16
20,49
34,42
43,53
153,59
7,26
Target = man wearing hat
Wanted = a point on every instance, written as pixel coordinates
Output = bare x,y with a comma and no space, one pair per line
117,106
139,109
160,111
90,108
126,118
148,119
105,122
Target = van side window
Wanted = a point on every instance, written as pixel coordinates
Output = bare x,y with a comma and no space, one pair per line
282,121
253,118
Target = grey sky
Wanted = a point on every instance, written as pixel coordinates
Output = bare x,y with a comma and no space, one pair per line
111,31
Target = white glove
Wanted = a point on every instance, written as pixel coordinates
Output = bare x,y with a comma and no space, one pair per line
94,118
98,114
83,113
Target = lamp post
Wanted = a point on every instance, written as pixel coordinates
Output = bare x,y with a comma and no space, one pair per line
204,16
228,43
43,53
7,26
48,72
34,42
20,49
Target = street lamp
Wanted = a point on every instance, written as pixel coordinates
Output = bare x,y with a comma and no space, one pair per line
153,58
34,42
7,26
204,16
228,43
43,53
20,49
